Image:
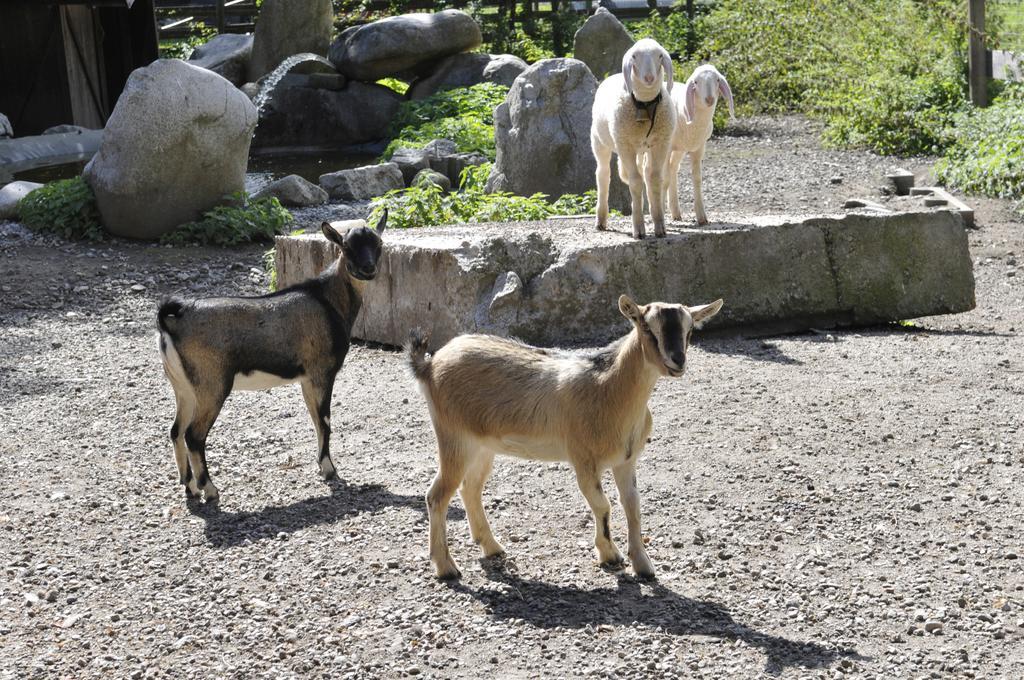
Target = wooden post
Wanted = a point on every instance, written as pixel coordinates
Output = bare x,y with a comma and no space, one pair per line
976,52
220,16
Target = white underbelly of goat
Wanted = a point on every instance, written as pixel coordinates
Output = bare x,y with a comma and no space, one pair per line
530,448
258,380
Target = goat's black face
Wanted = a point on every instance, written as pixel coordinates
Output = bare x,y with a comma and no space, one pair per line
666,329
361,246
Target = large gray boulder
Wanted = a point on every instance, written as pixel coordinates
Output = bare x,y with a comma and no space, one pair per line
11,195
398,45
287,27
176,143
360,184
557,282
542,133
600,43
466,70
227,55
294,191
297,111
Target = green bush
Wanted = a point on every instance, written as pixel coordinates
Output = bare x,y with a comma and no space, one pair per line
424,206
986,155
66,207
463,115
888,75
244,220
182,48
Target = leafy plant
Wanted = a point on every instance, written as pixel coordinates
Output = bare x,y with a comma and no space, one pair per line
399,86
66,208
463,115
182,48
243,220
423,206
986,155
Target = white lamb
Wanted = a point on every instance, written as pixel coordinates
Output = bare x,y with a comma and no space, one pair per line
634,118
695,105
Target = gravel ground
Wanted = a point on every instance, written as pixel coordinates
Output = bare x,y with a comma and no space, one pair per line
817,505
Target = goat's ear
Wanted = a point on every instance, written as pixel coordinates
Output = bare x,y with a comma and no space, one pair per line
331,233
627,71
629,309
666,63
726,91
689,108
702,313
382,223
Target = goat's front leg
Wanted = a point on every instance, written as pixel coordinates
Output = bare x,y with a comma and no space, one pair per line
629,173
625,480
451,469
674,161
603,156
317,395
657,166
696,167
589,481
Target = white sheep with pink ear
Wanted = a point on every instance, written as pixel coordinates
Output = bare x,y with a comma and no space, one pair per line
633,116
695,103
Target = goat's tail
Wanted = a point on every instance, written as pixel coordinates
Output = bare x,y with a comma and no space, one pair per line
416,356
171,310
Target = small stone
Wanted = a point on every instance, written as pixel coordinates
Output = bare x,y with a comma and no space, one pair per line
934,627
138,288
837,179
916,507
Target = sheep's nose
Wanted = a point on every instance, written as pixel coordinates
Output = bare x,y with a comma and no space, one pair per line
649,79
710,101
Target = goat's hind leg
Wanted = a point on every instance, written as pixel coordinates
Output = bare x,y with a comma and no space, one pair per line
208,405
318,400
589,480
182,419
478,469
451,469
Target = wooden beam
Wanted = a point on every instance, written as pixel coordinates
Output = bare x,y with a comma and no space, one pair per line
976,52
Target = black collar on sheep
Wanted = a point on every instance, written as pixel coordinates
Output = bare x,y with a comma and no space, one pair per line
649,109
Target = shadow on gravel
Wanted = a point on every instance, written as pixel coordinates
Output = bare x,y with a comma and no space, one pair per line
756,350
653,605
229,529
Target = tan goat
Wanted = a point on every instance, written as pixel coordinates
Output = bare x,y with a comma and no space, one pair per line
491,395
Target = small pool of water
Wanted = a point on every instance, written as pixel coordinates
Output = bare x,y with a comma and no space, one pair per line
308,165
52,172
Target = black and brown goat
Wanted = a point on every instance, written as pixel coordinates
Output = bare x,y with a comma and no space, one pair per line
300,334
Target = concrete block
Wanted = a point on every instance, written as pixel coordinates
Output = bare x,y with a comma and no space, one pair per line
557,282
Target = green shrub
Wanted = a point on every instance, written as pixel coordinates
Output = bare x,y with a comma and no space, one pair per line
66,207
986,155
888,75
463,115
424,206
182,48
399,86
244,220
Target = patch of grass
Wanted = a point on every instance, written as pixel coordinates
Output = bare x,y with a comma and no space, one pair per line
463,115
66,208
182,48
399,86
986,155
243,220
424,206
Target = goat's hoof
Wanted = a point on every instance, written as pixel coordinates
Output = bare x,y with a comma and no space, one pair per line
498,554
645,575
615,564
659,234
601,227
190,494
452,574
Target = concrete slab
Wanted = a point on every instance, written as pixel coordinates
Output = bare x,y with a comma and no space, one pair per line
27,153
557,282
